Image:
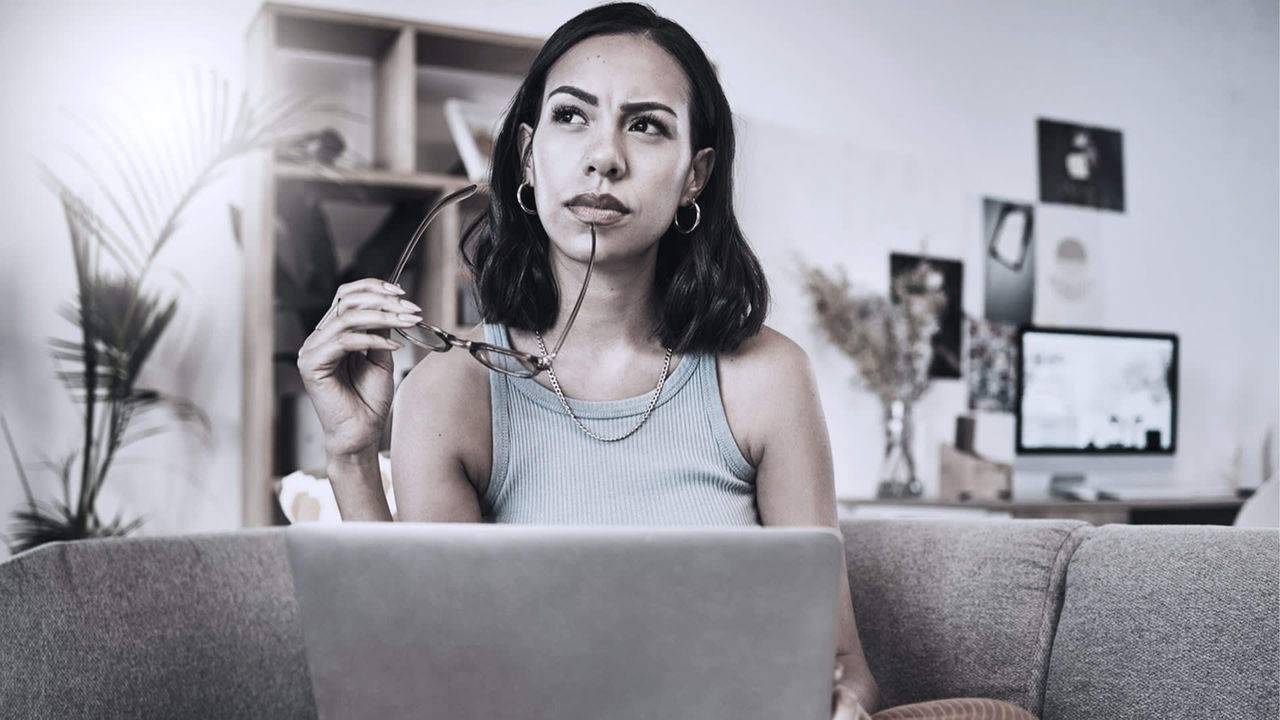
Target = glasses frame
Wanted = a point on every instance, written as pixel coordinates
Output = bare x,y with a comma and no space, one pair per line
531,364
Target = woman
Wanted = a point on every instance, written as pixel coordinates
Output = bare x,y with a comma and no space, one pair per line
612,175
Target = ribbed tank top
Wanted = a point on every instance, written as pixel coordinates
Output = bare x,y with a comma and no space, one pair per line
682,467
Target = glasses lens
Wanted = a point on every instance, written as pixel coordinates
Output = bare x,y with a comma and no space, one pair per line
516,365
424,337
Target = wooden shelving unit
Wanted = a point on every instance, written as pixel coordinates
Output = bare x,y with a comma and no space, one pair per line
392,75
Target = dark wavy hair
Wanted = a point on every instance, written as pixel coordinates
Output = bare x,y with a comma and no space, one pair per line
711,290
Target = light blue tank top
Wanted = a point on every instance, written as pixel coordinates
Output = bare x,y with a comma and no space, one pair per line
682,467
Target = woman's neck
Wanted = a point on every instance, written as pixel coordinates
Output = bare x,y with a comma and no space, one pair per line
611,351
618,312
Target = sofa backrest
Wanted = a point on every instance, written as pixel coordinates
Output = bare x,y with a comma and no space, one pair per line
958,608
1165,622
199,626
1059,617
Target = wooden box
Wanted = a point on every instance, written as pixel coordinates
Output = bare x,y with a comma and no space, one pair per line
965,476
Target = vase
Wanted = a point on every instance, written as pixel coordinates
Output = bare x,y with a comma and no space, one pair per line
898,470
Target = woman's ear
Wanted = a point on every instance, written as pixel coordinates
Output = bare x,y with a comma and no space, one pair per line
526,152
704,161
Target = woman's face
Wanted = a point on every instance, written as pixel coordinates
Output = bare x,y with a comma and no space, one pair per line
613,147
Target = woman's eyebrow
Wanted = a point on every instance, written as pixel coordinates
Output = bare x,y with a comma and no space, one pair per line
592,100
636,107
579,93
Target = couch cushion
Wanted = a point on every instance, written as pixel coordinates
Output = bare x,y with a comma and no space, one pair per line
958,608
198,626
1162,622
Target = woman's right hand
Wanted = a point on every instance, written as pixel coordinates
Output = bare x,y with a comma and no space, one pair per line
346,364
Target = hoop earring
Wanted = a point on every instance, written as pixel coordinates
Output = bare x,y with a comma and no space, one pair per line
520,197
697,218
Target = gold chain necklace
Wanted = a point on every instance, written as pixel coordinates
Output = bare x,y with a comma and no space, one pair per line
653,401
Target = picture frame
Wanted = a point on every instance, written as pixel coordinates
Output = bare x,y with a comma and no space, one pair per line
473,126
946,341
1081,165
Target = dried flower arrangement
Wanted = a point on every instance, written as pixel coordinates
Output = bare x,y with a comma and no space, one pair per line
889,342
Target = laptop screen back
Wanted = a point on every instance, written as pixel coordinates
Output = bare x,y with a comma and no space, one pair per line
494,622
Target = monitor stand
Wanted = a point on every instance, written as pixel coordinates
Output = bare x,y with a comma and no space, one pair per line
1071,486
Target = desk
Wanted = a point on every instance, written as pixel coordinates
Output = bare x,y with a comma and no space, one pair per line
1218,510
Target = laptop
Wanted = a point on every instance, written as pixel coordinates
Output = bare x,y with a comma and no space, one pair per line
405,620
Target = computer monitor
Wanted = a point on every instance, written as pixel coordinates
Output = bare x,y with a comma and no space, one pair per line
1094,401
1096,391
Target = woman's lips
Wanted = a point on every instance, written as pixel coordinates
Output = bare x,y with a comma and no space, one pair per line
595,215
596,209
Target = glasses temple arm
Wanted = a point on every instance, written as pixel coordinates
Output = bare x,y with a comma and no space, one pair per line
581,295
456,195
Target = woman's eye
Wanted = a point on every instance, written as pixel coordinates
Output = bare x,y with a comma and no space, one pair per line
568,115
649,125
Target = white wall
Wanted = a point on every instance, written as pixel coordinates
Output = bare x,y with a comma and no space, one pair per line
865,127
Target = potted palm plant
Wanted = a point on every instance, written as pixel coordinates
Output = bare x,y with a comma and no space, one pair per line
119,313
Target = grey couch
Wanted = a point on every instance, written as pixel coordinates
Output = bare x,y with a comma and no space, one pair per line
1063,618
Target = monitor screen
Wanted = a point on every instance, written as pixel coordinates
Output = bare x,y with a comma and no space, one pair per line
1096,391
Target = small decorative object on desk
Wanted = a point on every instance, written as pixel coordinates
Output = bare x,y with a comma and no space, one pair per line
965,475
890,343
306,496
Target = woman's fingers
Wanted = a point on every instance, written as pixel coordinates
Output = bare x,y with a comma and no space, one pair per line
372,301
361,321
845,705
367,294
369,285
319,356
379,348
358,321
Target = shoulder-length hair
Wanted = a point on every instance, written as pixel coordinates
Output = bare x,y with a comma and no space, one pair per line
712,293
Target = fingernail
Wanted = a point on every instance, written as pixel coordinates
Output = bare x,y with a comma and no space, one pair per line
410,306
410,318
393,289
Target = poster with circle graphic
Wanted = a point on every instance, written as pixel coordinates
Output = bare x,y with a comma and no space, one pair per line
1068,284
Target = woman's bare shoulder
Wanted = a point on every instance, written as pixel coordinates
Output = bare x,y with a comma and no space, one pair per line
762,382
766,353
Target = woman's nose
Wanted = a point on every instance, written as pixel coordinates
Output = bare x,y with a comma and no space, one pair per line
605,157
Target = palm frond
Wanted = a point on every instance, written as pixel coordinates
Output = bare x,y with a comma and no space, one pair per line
17,461
44,523
130,260
143,207
41,523
144,402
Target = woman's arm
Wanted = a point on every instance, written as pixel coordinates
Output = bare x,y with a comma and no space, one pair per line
772,402
346,367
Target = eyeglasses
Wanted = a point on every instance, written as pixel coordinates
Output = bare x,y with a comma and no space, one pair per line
504,360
